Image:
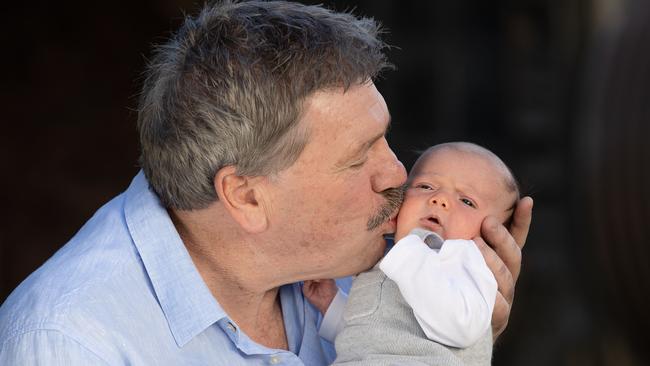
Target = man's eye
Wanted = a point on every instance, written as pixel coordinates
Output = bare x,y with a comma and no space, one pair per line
359,164
467,202
424,186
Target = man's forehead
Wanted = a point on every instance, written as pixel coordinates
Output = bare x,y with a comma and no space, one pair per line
338,98
342,124
379,110
360,109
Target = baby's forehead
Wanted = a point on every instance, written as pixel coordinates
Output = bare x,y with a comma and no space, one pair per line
450,156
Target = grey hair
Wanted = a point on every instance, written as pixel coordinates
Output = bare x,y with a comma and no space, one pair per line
228,89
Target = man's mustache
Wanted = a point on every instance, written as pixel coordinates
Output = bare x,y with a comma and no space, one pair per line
394,198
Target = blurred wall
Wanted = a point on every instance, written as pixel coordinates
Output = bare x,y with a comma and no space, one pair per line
613,164
521,77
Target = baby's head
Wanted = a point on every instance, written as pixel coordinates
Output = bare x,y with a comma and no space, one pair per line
453,187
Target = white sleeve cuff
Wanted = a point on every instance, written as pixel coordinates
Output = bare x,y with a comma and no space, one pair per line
406,253
333,322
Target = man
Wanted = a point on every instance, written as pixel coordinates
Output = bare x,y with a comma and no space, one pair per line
264,164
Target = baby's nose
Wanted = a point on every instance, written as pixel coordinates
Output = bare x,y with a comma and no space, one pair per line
440,200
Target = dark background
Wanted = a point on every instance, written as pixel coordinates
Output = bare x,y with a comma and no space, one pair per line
558,89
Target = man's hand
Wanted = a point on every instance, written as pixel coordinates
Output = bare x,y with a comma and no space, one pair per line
502,254
320,293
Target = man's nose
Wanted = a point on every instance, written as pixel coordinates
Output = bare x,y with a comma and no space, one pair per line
391,173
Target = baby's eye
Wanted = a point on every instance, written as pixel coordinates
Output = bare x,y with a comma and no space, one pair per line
467,202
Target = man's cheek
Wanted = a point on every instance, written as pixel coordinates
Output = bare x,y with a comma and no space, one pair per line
353,208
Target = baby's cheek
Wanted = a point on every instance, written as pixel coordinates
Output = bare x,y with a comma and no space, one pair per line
476,226
404,225
404,218
400,230
467,229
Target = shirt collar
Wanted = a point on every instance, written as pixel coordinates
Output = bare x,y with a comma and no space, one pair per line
185,299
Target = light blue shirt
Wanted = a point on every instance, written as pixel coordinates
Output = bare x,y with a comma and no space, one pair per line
124,290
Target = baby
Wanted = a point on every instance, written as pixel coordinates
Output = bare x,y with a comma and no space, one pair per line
434,291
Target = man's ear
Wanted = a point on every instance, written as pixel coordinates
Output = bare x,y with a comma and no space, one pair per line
240,195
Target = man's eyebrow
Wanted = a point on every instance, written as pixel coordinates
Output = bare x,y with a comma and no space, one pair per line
370,142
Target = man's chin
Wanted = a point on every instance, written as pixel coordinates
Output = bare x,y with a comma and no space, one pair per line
374,257
358,272
367,264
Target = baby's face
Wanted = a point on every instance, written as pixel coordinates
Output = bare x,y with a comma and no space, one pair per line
450,192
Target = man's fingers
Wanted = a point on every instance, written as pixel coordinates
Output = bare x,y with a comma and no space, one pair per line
503,257
308,287
502,274
521,221
503,244
500,315
505,282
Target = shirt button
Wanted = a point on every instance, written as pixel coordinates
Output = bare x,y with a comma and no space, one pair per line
275,360
231,327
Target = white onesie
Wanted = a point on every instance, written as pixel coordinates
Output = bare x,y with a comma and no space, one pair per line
451,290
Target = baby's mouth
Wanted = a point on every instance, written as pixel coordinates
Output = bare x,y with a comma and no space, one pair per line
432,223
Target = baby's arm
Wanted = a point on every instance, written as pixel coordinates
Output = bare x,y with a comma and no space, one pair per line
452,292
330,301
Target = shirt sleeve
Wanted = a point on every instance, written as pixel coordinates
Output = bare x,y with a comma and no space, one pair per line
452,292
333,322
46,347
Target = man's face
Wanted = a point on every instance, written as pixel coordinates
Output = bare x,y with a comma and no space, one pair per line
325,206
450,192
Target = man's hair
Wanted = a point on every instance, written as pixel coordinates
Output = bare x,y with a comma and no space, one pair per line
228,88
